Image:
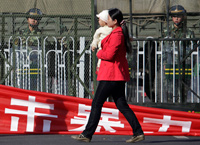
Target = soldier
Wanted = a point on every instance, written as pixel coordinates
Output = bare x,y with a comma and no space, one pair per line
31,46
179,27
33,19
177,30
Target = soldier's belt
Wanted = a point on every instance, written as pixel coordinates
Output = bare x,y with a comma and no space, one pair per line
169,71
33,71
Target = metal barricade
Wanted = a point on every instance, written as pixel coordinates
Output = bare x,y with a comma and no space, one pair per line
152,68
57,70
49,70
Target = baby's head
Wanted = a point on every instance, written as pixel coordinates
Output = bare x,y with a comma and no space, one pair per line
103,18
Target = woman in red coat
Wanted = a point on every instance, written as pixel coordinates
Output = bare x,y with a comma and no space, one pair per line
112,76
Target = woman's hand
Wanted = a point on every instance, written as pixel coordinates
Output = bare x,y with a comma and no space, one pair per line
93,48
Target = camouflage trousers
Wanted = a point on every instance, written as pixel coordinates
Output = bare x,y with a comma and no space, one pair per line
169,88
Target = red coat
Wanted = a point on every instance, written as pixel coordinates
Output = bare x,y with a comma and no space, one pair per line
114,65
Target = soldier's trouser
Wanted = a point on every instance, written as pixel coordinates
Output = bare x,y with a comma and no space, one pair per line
168,87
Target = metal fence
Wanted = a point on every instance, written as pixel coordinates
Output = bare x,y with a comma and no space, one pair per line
49,62
53,70
162,73
58,61
159,70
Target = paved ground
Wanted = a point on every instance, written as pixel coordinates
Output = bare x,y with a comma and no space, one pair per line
97,140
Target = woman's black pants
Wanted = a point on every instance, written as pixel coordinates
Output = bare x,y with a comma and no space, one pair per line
116,89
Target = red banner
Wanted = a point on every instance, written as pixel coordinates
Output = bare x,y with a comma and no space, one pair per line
24,111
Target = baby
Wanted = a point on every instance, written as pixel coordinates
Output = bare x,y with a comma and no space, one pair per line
101,33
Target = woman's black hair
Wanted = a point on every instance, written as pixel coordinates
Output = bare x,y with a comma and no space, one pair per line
117,14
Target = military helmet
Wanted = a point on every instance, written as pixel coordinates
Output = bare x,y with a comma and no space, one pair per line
34,13
177,10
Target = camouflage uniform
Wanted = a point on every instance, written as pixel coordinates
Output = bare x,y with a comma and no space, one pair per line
32,49
32,40
30,43
168,46
168,59
175,32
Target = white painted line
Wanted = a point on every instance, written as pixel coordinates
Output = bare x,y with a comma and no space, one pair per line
148,132
181,137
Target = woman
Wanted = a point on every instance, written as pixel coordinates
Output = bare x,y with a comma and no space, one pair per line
112,75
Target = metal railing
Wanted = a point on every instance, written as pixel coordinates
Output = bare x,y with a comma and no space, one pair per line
56,70
50,70
154,70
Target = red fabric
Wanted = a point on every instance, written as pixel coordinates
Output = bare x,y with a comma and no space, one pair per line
25,112
114,65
